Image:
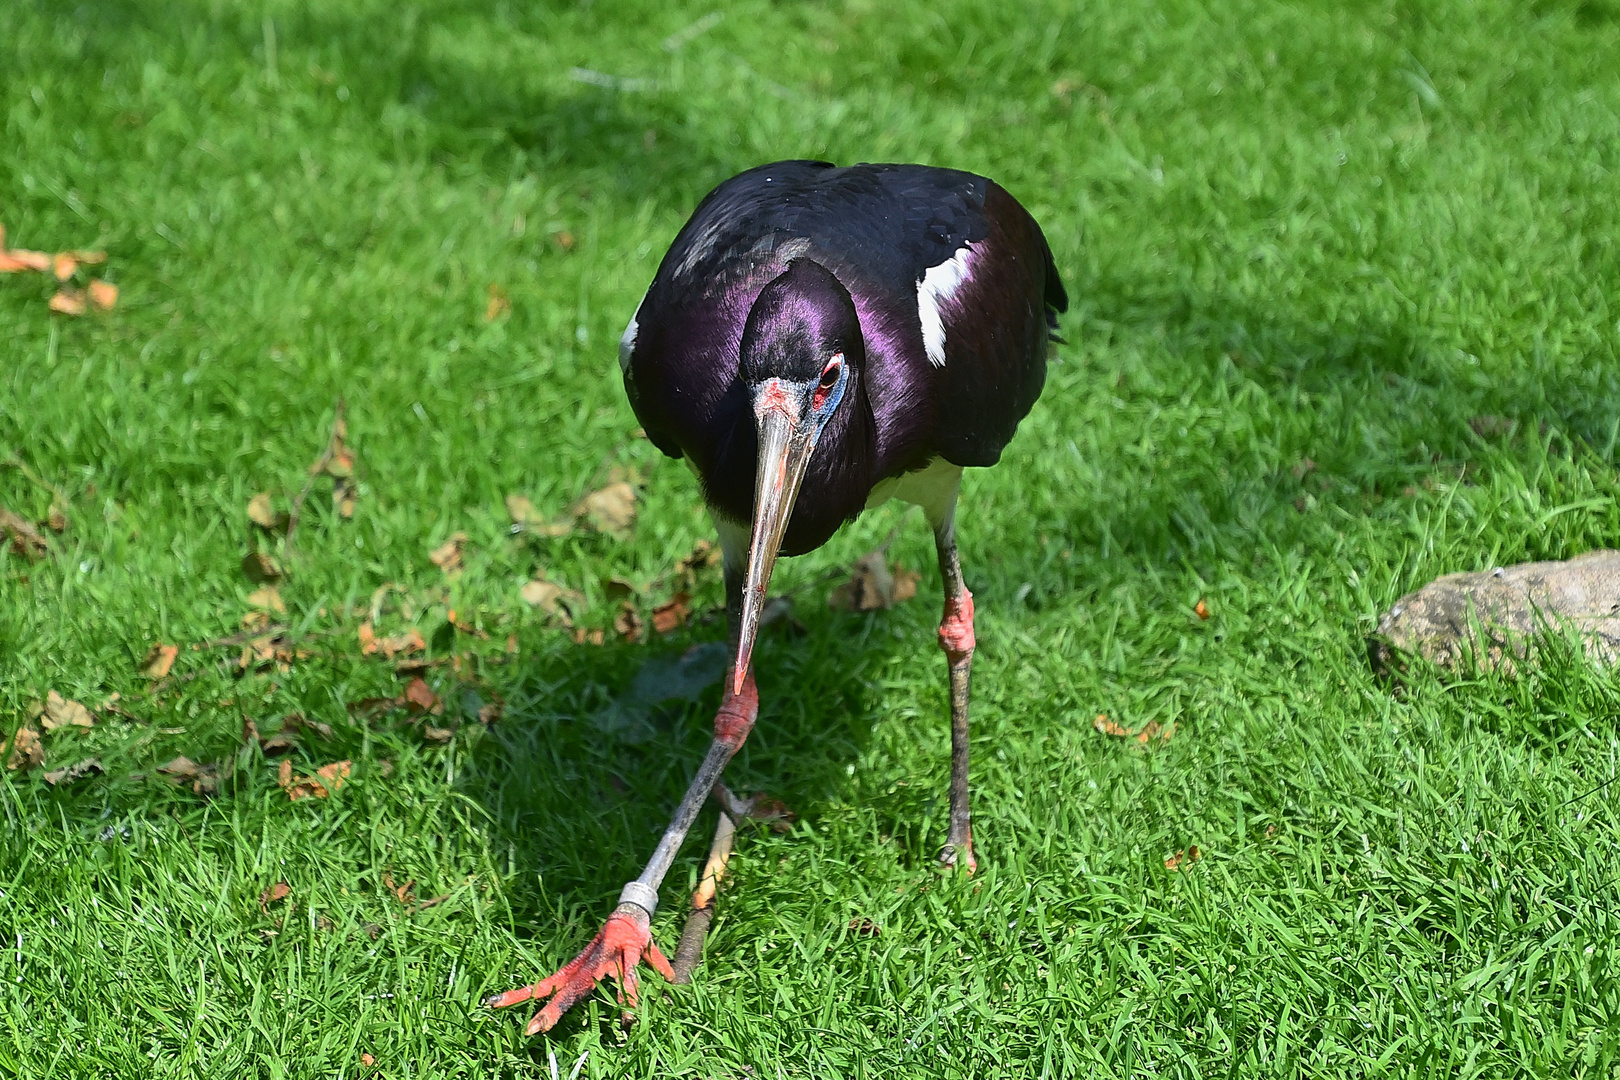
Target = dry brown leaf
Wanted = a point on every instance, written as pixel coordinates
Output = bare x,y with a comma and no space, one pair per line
521,510
343,496
69,302
447,556
261,568
327,779
61,713
499,303
627,623
563,239
367,1060
437,734
299,722
1151,730
704,556
262,514
26,749
667,616
26,540
56,518
593,636
872,586
18,260
864,927
1201,609
541,594
411,641
63,264
268,598
274,894
58,777
420,698
254,621
1183,858
491,712
159,660
611,510
466,626
103,294
205,779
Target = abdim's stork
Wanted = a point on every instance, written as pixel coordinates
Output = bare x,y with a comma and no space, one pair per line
817,341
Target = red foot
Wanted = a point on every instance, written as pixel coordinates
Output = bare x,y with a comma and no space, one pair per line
616,950
956,628
737,713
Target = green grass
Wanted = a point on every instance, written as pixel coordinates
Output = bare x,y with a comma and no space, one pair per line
1325,232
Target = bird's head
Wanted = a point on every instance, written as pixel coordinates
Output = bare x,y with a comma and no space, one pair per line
800,349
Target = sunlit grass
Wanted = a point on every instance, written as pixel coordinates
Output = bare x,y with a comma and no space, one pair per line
1306,246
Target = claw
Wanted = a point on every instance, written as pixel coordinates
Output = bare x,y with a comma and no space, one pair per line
617,948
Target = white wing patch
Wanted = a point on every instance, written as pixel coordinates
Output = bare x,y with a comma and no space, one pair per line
938,285
627,343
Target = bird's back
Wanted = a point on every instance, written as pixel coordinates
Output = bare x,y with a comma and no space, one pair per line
952,279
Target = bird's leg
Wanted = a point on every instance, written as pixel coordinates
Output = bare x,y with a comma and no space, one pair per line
627,936
956,639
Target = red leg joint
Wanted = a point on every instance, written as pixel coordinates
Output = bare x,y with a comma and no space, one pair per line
956,629
738,711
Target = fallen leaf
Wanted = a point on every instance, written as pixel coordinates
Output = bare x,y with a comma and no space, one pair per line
549,597
420,698
499,303
159,660
611,510
667,616
437,734
1302,468
371,706
25,539
68,302
260,567
367,1060
490,713
327,779
103,294
299,722
1149,731
405,894
255,621
267,598
262,514
563,239
409,642
56,518
26,749
1183,858
704,556
627,623
863,927
343,496
63,264
274,894
1201,610
521,510
57,777
595,636
464,625
447,556
205,779
61,713
873,587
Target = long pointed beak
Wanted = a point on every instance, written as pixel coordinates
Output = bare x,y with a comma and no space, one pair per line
785,442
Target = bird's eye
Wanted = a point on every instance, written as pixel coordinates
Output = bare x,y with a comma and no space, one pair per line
829,379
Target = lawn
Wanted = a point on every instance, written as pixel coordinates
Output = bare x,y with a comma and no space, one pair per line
1344,318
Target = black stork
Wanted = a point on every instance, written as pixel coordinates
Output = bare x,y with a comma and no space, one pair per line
819,340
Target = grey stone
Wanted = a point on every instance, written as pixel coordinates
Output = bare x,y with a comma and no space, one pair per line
1495,615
